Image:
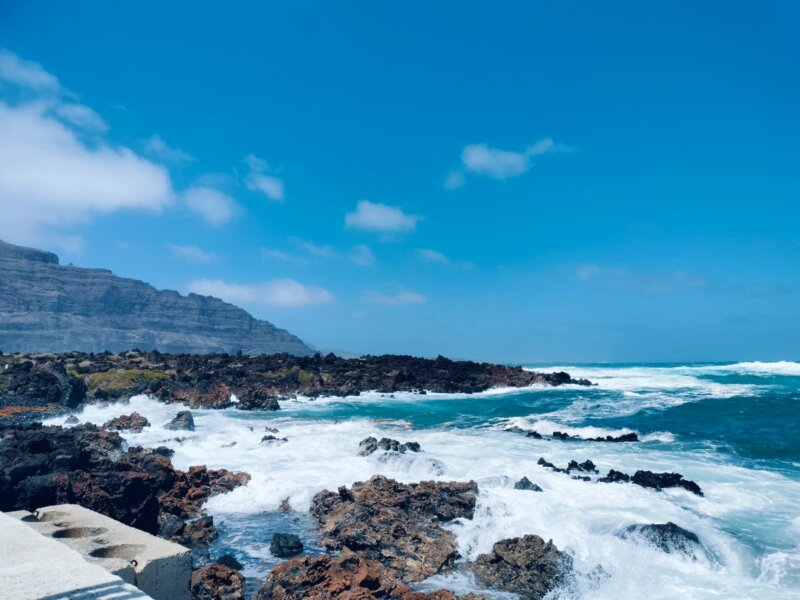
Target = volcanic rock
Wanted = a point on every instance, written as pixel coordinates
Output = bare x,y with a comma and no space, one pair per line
370,445
660,481
285,545
345,577
526,566
133,422
217,581
396,524
183,421
667,537
527,484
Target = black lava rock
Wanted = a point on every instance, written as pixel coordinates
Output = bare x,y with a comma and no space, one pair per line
285,545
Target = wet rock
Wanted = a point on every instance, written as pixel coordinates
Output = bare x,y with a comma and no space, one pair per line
667,537
133,422
396,524
271,439
216,581
183,421
586,466
71,420
534,434
526,566
285,545
625,437
170,526
230,561
660,481
258,398
198,533
615,477
370,445
527,484
285,506
345,577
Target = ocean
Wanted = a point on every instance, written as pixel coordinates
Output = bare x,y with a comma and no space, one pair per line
732,428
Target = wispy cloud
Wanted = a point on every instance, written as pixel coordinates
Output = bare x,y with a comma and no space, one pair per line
277,292
400,298
192,253
258,181
26,73
362,256
656,284
432,256
158,148
82,116
217,208
312,249
371,216
480,159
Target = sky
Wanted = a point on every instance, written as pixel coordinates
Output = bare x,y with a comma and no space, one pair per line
520,182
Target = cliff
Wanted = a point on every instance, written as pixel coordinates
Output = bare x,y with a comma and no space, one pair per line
48,307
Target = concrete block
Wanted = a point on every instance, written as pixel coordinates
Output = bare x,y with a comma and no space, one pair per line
160,568
37,567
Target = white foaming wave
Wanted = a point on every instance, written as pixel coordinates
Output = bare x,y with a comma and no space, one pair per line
782,367
547,427
781,568
581,518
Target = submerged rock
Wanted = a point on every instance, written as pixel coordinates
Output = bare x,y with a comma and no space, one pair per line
527,484
285,545
370,445
216,581
396,524
345,577
615,477
133,422
230,561
183,421
667,537
198,533
525,565
271,439
71,420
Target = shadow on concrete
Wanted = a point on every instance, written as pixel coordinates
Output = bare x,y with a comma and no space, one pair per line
113,590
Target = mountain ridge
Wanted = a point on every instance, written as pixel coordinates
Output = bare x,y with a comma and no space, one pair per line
49,307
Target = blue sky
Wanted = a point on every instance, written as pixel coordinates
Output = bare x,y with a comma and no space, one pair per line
518,182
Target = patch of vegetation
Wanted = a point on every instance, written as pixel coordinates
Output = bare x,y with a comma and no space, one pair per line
291,375
122,380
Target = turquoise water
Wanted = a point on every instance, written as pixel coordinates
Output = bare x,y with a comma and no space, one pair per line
732,428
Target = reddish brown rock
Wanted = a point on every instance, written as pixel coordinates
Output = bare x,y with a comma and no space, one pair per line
133,422
345,577
205,394
395,523
215,581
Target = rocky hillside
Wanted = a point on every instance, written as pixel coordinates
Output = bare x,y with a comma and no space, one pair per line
48,307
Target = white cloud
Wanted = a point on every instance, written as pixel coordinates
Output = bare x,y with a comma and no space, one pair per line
257,181
216,207
620,278
316,250
26,73
82,116
281,255
278,292
192,253
432,256
496,163
380,217
454,180
401,298
362,256
157,147
49,178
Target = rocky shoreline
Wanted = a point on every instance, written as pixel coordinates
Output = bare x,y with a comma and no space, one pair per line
34,386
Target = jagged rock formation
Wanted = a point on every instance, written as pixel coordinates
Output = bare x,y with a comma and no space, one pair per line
48,307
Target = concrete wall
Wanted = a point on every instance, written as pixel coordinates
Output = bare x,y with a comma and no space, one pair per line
157,567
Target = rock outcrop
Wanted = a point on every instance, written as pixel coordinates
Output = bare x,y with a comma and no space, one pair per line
396,524
216,581
345,577
53,383
48,307
667,537
371,445
527,566
133,422
86,465
182,422
285,545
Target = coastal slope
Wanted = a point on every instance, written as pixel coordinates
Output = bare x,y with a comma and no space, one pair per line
49,307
